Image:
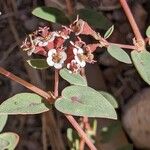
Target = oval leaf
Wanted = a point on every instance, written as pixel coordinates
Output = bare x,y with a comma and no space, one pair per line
110,98
11,139
141,61
109,32
119,54
24,103
72,78
3,144
84,101
148,31
38,63
94,18
51,14
3,120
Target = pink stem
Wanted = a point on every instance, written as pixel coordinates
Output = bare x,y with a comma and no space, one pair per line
33,88
81,132
56,82
131,20
131,47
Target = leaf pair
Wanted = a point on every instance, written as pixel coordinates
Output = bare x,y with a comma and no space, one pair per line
93,17
81,100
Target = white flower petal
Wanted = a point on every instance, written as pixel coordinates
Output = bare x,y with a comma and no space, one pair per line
49,61
82,63
72,43
75,51
68,65
51,52
80,50
73,61
64,56
77,59
58,65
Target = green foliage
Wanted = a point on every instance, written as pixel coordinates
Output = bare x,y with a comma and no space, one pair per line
24,103
119,54
109,132
38,63
126,147
141,61
51,14
3,120
110,98
84,101
8,140
73,139
148,31
3,144
75,79
94,18
109,32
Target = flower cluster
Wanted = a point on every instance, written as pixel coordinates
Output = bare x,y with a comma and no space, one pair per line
64,47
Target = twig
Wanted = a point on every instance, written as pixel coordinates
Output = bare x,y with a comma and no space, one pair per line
56,83
131,47
81,132
69,7
44,139
49,97
7,53
133,24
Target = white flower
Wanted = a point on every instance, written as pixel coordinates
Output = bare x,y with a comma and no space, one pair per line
78,53
56,59
73,66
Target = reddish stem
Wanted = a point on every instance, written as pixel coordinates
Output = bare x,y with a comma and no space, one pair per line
56,83
81,132
131,20
131,47
48,97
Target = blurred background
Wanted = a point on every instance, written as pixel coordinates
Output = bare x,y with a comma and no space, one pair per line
48,131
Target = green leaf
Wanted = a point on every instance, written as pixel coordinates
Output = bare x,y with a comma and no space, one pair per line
70,134
10,138
108,133
109,32
84,101
3,144
3,120
38,63
141,61
126,147
72,78
95,18
148,31
119,54
24,103
51,14
110,98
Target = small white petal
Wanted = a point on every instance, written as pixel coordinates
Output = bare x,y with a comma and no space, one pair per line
72,43
49,61
58,65
75,51
64,56
51,52
73,61
68,65
77,59
82,63
80,50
